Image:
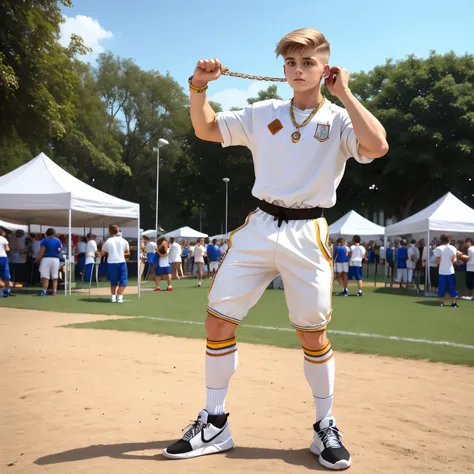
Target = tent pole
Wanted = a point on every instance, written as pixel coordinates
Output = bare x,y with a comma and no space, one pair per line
139,249
69,251
427,264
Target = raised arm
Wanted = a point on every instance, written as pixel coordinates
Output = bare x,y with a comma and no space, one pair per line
369,131
203,117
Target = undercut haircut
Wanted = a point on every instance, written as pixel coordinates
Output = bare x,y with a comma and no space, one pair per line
301,39
113,229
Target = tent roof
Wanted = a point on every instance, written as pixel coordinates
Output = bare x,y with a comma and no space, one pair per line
42,192
447,214
353,223
185,233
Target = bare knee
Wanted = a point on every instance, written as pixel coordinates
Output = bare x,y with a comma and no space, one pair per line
313,340
218,329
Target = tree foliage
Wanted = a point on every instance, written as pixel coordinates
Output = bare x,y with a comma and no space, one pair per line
102,122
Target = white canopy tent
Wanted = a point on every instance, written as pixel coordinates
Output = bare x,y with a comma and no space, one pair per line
152,232
185,233
352,224
41,192
448,214
220,237
13,227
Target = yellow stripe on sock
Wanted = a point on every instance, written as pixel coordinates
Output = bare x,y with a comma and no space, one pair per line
319,353
221,345
319,361
222,354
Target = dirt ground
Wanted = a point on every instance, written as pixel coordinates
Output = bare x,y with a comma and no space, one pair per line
77,401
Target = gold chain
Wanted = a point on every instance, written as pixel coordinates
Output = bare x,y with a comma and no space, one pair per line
295,136
226,72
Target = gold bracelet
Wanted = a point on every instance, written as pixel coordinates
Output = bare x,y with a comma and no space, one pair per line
197,90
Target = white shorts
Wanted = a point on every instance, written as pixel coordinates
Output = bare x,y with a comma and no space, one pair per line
213,266
258,252
342,267
49,268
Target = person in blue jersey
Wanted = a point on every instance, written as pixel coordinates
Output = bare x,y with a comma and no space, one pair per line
401,258
48,258
117,249
4,268
214,256
357,256
341,260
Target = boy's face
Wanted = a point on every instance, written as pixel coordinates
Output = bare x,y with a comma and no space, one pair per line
304,70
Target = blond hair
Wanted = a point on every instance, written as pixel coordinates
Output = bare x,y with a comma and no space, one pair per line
298,40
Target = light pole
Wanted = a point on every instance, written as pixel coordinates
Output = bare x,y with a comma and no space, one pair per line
161,142
226,181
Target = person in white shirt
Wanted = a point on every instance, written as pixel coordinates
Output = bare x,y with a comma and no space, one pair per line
300,148
199,253
224,247
446,255
175,258
90,254
162,263
357,254
432,265
117,249
4,267
413,257
469,260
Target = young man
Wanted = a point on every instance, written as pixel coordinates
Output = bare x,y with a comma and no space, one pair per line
91,254
48,258
446,255
300,148
357,254
214,256
469,259
401,257
341,260
117,249
162,264
4,268
199,253
413,257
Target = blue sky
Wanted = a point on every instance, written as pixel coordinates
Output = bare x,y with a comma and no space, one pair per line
172,35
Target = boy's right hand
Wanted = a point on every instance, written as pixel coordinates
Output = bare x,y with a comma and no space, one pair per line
207,70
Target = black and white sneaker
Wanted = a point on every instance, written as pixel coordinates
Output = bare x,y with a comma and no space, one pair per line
328,446
209,434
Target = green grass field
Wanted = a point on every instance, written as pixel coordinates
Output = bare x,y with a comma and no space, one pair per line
381,312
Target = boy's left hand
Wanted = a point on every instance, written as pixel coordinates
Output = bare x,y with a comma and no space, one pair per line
337,82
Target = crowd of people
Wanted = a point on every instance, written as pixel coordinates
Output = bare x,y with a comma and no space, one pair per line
407,262
174,260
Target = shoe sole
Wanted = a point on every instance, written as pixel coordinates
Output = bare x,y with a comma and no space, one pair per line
339,466
211,449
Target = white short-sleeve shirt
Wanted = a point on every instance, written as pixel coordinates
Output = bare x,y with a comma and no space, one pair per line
470,262
357,255
445,252
199,251
3,244
304,174
91,249
116,247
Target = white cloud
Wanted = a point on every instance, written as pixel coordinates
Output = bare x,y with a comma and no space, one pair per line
238,98
89,29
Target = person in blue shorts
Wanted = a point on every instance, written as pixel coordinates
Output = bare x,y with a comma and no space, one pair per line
4,268
162,263
341,260
117,249
357,255
446,255
48,258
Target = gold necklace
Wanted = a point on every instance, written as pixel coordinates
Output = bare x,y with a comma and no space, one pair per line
295,136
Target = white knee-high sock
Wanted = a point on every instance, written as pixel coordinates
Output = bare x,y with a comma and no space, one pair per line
221,364
320,370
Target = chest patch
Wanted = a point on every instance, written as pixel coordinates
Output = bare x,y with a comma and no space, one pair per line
322,132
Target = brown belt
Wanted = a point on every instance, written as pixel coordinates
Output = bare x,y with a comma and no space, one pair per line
285,214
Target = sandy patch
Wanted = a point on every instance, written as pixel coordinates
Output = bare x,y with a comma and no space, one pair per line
77,400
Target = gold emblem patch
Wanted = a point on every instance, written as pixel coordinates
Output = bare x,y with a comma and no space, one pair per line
275,126
322,132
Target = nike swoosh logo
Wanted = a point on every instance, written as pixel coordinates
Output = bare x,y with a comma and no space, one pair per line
214,437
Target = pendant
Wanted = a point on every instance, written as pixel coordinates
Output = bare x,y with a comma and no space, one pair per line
295,136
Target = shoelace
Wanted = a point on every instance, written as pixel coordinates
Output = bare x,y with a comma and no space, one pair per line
330,437
193,429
